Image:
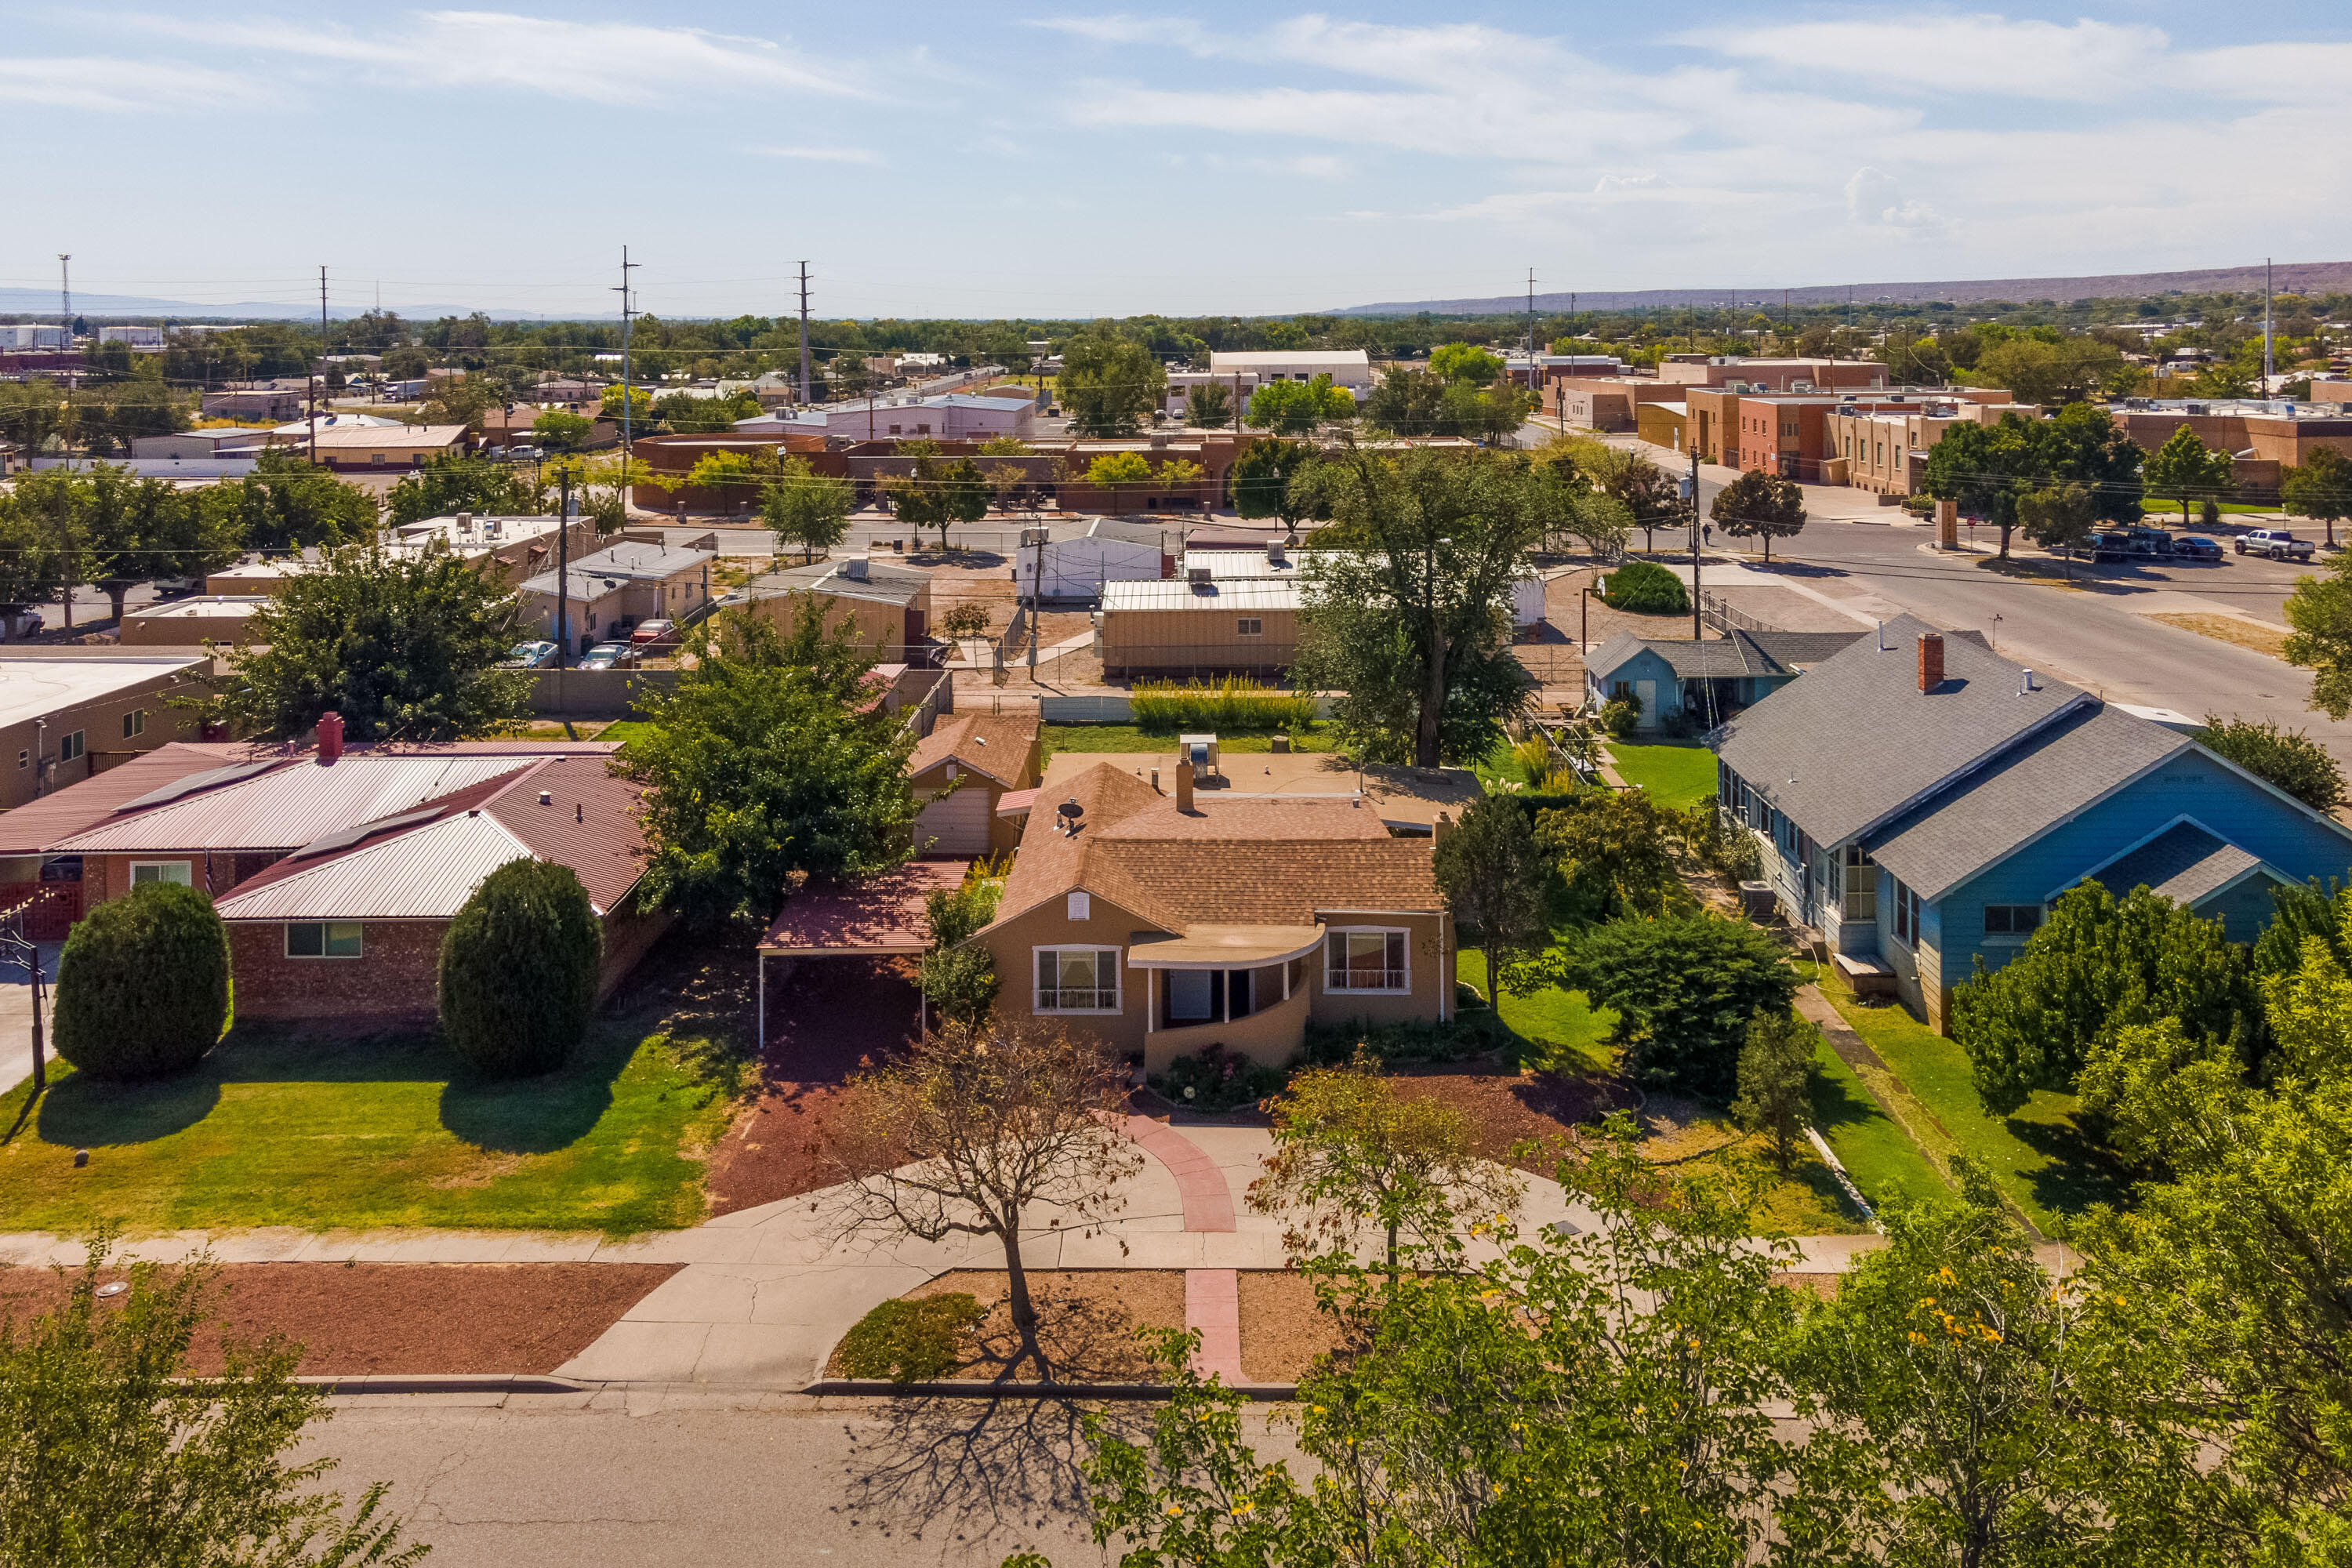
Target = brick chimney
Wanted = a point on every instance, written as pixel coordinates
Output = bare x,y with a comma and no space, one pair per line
1184,786
1440,828
1931,662
331,738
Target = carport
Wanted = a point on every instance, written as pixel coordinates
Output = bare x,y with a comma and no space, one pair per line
879,917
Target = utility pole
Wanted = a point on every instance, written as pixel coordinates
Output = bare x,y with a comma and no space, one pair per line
2266,326
319,380
804,358
65,296
1696,630
563,574
628,388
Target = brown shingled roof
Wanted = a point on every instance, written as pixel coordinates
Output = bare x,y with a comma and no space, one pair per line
997,744
1237,862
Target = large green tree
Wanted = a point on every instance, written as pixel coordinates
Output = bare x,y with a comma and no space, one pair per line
2099,965
2050,374
1493,873
2058,518
1758,505
2235,1262
805,508
767,760
286,504
2319,611
455,482
2185,470
2320,488
1261,476
404,647
1298,407
134,531
1685,988
520,964
2287,758
1408,612
1985,469
111,1454
1109,384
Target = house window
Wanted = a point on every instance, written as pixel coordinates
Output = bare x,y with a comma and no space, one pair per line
145,871
2013,919
376,459
1191,996
1366,961
1077,980
134,723
73,746
1861,882
1906,915
24,759
1250,627
322,939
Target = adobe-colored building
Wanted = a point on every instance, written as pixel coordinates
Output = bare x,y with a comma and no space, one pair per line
1772,374
964,772
2266,435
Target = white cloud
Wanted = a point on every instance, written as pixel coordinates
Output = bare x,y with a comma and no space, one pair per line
605,62
823,155
1956,54
120,85
1874,196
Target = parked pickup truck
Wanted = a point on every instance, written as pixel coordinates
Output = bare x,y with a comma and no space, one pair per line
2275,542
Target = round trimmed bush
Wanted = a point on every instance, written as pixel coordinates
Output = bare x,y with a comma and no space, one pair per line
143,985
518,970
1646,588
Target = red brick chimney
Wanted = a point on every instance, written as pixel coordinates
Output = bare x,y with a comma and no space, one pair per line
330,737
1931,662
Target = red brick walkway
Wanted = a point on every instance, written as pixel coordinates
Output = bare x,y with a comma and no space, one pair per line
1208,1202
1213,1309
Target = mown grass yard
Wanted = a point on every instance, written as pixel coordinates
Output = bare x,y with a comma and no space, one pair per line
280,1129
2042,1161
1556,1030
1675,773
1873,1147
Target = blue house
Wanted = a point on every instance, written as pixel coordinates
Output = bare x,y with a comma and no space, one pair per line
1920,801
1710,679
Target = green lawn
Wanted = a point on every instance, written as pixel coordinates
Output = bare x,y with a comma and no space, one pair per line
1130,738
275,1128
1559,1029
1677,773
2045,1164
625,731
1873,1148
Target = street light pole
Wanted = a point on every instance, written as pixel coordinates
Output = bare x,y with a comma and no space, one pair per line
1694,527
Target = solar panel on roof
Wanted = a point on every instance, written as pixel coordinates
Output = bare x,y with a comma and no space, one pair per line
211,778
343,839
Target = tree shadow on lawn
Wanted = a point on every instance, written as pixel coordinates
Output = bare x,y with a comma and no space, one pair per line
2083,1170
540,1115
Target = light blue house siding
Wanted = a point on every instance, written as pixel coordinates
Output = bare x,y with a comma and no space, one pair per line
2193,785
1646,675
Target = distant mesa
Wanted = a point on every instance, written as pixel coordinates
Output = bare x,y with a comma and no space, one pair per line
2296,277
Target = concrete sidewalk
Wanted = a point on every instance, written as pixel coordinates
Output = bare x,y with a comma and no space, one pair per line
766,1293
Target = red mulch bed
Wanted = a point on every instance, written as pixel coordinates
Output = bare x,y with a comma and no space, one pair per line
828,1017
1507,1108
399,1316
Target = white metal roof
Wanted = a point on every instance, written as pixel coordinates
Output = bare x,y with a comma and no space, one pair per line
1231,594
425,873
31,688
294,804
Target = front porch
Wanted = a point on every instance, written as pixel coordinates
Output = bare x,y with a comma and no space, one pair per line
1244,987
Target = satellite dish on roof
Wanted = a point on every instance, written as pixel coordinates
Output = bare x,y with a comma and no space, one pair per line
1069,811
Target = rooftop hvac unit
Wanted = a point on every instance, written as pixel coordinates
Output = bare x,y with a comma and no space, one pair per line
1200,750
1199,576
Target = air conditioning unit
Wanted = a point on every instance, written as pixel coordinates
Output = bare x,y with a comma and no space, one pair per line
1200,750
1199,576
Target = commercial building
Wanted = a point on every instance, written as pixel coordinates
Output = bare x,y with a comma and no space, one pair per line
1350,368
2266,435
1883,447
1740,374
889,607
65,716
947,416
137,337
220,441
190,623
1080,555
507,549
256,403
345,443
24,336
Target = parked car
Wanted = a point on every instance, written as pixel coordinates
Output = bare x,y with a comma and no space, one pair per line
2196,547
16,623
2275,542
529,656
523,454
653,634
2131,544
606,655
172,588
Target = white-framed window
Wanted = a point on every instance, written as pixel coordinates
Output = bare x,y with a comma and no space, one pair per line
134,723
73,746
1861,884
1250,627
25,757
1077,980
2013,919
322,939
1368,959
145,871
1906,915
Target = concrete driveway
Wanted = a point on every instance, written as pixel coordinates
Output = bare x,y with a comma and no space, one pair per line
16,1017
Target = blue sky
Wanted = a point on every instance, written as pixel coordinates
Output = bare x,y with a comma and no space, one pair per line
984,160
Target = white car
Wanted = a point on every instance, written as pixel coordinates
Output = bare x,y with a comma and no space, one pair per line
2275,542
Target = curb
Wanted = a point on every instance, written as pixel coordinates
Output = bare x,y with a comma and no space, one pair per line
968,1388
448,1383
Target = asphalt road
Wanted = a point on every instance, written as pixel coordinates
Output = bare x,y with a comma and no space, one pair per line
893,1485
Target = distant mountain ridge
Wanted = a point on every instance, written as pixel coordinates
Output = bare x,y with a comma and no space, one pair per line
138,308
2288,277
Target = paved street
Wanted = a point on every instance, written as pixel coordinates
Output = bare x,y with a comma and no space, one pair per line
551,1481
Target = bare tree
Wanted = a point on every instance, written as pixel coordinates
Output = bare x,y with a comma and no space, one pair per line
994,1122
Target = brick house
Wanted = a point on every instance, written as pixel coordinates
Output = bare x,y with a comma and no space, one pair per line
337,871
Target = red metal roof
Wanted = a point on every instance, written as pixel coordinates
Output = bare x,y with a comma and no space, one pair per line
880,915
